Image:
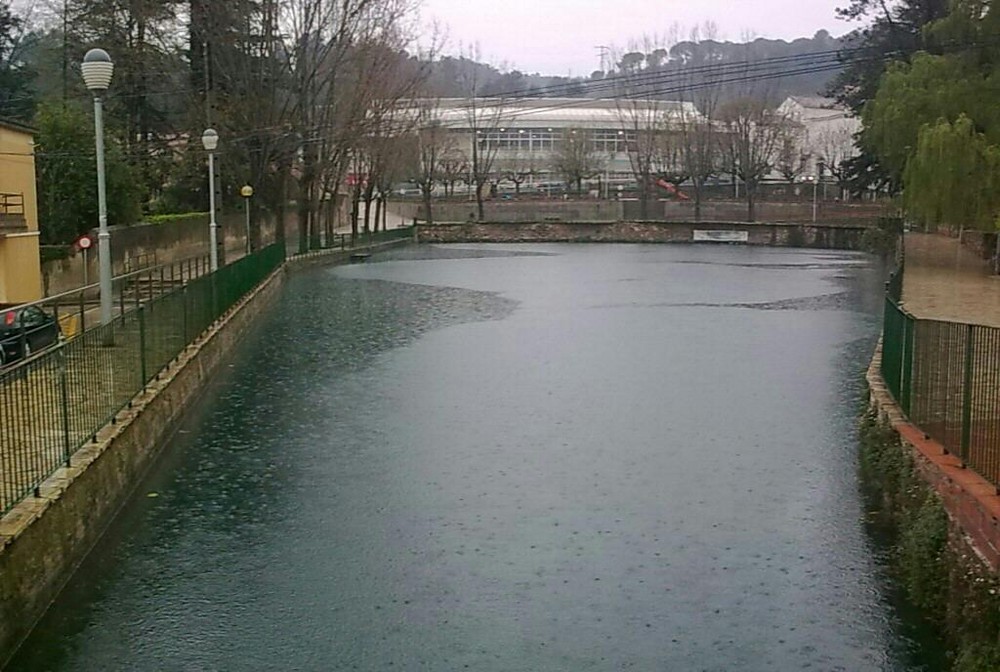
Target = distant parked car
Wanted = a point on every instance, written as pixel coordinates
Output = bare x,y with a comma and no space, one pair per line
24,331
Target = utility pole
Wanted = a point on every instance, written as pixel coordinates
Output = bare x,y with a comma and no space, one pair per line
604,52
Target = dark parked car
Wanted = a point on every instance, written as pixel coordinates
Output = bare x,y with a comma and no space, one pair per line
24,331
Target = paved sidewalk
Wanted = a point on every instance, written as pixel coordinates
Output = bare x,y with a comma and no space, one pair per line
946,281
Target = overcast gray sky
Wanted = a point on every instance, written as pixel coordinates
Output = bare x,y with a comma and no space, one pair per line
555,37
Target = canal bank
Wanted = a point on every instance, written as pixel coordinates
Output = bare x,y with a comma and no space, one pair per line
943,520
510,458
841,236
45,537
929,442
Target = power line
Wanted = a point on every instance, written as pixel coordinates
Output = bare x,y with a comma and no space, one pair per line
649,86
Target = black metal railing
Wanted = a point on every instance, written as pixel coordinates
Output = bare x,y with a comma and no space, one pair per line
54,403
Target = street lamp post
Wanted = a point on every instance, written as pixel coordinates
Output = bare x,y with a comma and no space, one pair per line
246,191
210,140
821,173
815,183
97,69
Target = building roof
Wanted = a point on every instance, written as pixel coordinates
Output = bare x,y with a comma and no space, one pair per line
815,109
817,102
17,126
554,112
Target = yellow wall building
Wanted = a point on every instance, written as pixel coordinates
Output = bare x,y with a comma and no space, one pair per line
20,265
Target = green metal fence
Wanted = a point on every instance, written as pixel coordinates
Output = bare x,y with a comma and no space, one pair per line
946,378
897,352
345,241
54,403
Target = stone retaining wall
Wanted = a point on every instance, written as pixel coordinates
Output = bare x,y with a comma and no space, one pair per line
821,236
971,501
166,242
589,210
43,540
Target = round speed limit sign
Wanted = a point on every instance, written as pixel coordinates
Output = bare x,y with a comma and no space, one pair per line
85,242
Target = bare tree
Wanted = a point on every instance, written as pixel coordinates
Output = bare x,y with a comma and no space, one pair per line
753,137
836,146
518,166
433,141
576,159
350,73
453,167
484,119
698,120
645,118
791,161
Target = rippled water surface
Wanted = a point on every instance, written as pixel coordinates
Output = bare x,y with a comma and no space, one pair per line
545,457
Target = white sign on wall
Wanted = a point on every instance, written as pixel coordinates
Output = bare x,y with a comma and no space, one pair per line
703,236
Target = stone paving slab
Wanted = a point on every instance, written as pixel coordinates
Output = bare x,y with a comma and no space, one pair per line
945,281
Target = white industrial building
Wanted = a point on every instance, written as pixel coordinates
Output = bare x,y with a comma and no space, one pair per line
525,132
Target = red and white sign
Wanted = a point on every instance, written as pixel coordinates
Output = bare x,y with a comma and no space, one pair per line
85,242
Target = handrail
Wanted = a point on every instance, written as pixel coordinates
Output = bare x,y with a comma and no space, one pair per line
56,401
10,202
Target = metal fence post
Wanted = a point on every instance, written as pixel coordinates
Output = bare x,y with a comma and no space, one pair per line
906,375
83,311
184,310
64,399
967,395
142,345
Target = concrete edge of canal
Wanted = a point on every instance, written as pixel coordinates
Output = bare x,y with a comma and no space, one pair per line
45,539
971,502
848,236
944,522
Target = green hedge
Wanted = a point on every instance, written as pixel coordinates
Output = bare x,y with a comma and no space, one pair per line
54,252
176,217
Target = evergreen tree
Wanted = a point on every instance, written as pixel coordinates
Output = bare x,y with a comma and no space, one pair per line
67,177
16,98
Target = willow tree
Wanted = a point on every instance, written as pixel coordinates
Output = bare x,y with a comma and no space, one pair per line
912,95
953,178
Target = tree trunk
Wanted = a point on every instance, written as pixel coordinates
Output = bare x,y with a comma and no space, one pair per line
303,215
428,214
479,201
368,210
279,230
751,192
355,211
378,212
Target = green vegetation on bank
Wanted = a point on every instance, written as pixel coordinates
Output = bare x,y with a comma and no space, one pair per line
178,217
933,126
67,176
940,575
